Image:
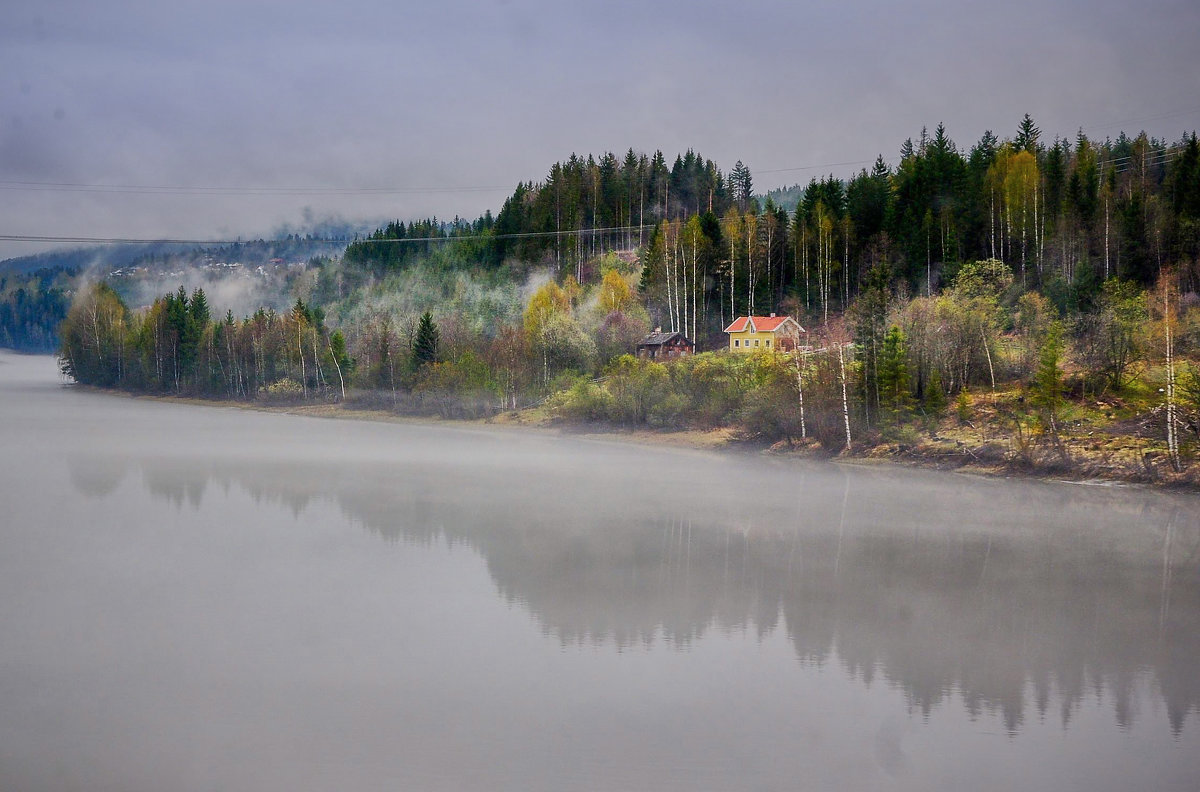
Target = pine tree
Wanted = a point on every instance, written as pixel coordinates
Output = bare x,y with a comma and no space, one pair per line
741,184
893,373
935,395
199,309
425,346
1027,136
1046,391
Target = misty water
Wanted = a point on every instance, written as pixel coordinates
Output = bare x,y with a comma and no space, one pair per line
203,597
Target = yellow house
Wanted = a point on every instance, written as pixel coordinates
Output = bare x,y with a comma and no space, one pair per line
764,334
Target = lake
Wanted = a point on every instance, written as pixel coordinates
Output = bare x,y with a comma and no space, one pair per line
204,598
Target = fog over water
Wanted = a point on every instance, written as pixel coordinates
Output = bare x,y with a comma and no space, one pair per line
196,598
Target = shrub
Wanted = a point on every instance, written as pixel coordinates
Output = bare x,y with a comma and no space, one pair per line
584,401
282,390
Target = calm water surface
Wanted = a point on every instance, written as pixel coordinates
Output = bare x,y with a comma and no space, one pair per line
203,598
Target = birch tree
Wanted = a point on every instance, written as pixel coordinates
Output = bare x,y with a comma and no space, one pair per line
1020,191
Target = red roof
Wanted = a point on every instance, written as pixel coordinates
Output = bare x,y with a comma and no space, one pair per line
762,324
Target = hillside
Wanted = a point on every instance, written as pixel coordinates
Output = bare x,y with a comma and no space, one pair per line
1061,273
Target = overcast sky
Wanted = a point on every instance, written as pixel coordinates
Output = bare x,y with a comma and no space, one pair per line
451,103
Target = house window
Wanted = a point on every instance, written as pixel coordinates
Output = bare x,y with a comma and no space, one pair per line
735,342
768,342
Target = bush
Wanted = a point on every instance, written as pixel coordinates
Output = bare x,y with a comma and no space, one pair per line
962,406
772,410
584,401
282,390
711,387
639,390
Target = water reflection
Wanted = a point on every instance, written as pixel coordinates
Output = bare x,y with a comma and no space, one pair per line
1021,599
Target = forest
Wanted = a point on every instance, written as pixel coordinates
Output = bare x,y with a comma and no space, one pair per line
1024,288
32,305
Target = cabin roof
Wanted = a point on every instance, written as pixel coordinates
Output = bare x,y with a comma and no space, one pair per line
659,338
761,324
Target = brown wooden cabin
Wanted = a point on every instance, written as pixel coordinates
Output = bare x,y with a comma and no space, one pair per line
665,345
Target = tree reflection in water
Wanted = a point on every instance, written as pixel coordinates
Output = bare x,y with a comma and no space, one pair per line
1011,596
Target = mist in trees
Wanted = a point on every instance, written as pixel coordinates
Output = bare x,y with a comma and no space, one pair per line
958,270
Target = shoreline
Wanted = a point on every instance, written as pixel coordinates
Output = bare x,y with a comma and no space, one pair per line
726,440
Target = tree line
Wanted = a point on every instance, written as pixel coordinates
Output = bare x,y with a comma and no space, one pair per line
1064,215
31,308
177,346
1060,268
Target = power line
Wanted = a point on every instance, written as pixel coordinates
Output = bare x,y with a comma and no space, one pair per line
231,190
1158,117
813,167
406,240
1151,159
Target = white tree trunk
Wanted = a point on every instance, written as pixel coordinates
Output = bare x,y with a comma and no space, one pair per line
845,400
800,388
1172,434
341,381
1106,271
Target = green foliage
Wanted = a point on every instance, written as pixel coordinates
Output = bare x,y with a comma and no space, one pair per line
565,344
175,345
1189,388
935,396
95,337
757,393
772,410
870,320
894,385
542,296
425,347
962,406
460,388
639,391
31,309
1032,322
1046,390
1112,337
713,386
1027,136
398,244
282,390
988,278
584,401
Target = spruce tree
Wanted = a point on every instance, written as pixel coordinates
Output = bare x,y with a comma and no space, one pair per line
893,373
935,395
1027,136
741,184
1047,388
425,346
199,309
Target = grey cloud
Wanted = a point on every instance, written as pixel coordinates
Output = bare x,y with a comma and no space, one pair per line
373,93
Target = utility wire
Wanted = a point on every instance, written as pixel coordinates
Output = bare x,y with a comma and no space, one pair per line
152,189
813,167
175,241
1158,117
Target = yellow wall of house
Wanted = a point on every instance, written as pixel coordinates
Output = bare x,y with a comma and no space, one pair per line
751,342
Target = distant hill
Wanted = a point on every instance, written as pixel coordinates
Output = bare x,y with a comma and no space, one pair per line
105,259
36,291
84,258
